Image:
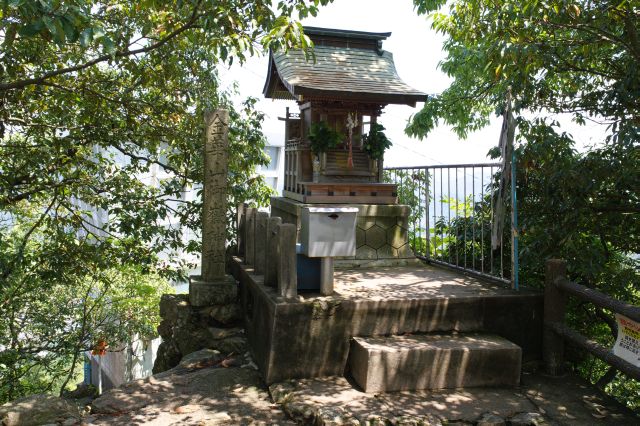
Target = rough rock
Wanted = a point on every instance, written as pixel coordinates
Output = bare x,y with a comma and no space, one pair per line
190,339
427,420
81,391
300,412
226,314
38,410
200,359
165,329
186,328
235,345
335,416
193,339
490,419
528,419
224,333
174,307
167,358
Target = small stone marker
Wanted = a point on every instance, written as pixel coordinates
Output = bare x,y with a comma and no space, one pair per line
249,236
287,270
260,242
271,266
214,287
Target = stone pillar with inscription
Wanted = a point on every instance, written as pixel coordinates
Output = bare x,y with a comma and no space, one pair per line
214,286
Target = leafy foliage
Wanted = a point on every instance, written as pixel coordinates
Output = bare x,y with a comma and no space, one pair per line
375,143
576,58
59,317
101,127
323,138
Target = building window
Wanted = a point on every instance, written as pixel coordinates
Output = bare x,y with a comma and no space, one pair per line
272,152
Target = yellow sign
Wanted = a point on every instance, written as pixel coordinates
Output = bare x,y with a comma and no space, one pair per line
627,344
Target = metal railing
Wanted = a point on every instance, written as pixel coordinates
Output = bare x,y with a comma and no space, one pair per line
453,210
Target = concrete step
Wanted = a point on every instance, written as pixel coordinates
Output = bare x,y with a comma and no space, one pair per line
434,361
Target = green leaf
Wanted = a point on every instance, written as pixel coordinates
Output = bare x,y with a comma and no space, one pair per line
108,44
31,29
86,36
70,31
98,33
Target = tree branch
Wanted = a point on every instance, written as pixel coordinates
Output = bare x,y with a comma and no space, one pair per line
19,84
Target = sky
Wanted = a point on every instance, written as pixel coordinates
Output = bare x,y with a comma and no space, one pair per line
417,50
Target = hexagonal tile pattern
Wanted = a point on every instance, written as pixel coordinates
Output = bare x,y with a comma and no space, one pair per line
376,237
405,252
385,252
360,235
365,252
365,222
396,236
386,221
403,221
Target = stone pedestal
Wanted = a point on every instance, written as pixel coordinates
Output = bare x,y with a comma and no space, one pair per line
381,232
208,293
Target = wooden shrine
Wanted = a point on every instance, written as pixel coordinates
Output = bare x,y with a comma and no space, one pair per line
345,87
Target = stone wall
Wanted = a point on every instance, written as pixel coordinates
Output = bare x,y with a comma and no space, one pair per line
185,329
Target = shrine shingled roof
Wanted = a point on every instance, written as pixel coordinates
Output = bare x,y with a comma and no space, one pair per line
349,65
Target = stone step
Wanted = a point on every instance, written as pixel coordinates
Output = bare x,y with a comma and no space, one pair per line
434,361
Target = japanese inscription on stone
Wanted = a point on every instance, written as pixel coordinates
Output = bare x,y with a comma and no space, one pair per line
215,195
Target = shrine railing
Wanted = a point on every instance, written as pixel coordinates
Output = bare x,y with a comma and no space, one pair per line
453,210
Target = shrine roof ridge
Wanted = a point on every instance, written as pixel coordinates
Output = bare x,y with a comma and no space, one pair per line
345,64
345,33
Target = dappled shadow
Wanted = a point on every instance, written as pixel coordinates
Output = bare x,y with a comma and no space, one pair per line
567,400
465,405
213,394
410,282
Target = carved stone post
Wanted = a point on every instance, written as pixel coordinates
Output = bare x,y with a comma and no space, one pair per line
271,268
249,236
554,311
287,269
261,242
214,286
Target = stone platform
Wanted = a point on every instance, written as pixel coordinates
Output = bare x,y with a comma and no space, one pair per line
310,336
